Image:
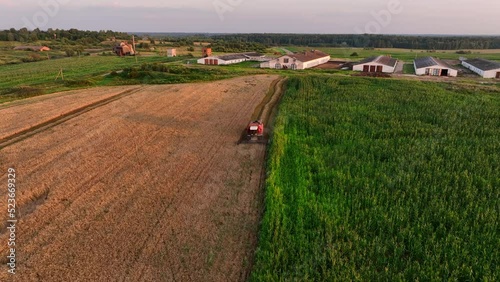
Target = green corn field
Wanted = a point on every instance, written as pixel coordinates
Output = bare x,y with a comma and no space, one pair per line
382,180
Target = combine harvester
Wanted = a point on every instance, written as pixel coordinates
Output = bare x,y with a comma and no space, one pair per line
254,133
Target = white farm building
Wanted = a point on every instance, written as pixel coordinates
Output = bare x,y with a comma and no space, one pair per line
377,64
231,59
485,68
433,67
298,61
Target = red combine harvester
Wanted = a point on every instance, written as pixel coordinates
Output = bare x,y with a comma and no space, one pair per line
255,132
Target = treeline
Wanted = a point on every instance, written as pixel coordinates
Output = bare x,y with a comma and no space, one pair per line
368,41
83,37
232,46
259,42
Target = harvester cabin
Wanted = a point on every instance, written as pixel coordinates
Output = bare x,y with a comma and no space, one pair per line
433,67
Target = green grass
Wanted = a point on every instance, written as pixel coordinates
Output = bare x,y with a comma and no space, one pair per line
37,78
409,69
401,54
382,180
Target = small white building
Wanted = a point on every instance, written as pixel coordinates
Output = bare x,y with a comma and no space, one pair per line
231,59
298,61
171,52
485,68
383,64
433,67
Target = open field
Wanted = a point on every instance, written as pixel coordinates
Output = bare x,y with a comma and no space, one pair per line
401,54
149,187
382,180
19,116
75,68
32,79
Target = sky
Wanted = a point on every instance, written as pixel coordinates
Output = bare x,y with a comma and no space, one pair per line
481,17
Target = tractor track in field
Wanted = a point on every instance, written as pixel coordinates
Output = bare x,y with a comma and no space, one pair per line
26,133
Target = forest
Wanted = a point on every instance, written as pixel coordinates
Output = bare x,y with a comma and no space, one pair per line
259,42
84,37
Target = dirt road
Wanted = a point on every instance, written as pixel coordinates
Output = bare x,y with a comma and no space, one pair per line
148,187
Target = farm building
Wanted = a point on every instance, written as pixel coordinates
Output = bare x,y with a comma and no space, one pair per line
231,59
485,68
384,64
32,48
433,67
298,61
171,52
124,49
207,52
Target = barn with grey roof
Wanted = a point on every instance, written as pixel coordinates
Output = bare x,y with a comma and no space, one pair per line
484,68
433,67
230,59
384,64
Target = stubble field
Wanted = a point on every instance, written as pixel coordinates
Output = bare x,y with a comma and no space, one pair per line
151,186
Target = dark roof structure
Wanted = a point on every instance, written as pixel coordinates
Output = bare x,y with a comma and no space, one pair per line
426,62
232,57
483,64
239,56
308,56
384,60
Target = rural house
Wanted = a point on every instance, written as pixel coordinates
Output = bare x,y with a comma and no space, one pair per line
124,49
207,52
171,52
298,61
433,67
383,64
32,48
484,68
231,59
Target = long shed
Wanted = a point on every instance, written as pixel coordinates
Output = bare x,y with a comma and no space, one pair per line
298,61
433,67
484,68
383,64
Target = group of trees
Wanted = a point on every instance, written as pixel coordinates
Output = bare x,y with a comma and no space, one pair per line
259,42
83,37
368,40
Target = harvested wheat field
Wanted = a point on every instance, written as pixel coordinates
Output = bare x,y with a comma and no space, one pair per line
148,186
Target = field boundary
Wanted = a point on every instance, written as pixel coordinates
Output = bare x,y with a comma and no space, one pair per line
26,133
269,108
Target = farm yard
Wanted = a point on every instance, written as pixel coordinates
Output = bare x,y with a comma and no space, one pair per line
148,187
376,179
